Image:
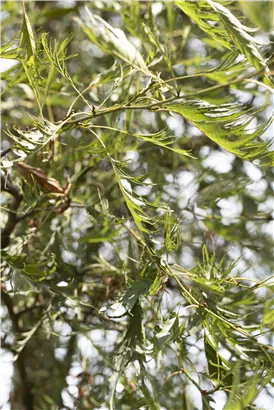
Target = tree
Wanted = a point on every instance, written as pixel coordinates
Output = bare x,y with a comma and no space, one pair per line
137,192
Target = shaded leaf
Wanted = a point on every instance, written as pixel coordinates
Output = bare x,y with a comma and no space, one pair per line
132,295
168,332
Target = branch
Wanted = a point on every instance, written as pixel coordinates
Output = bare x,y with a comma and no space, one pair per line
158,104
5,345
5,152
64,369
14,190
26,386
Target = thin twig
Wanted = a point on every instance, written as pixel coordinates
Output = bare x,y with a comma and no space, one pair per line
159,104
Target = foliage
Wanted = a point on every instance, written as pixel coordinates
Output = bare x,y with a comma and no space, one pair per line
136,211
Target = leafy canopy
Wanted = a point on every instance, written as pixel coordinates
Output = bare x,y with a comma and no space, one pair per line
137,225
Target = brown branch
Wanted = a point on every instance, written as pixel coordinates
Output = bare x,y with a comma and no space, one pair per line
64,369
14,190
5,152
21,362
7,346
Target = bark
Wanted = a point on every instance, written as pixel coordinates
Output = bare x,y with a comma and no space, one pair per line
21,363
17,196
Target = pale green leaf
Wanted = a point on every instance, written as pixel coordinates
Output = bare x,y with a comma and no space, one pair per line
168,332
111,40
135,203
217,21
163,139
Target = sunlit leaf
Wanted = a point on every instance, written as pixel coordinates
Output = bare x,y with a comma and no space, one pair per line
30,62
216,20
227,125
111,40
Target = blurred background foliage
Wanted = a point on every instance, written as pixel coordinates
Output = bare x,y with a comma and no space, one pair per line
137,250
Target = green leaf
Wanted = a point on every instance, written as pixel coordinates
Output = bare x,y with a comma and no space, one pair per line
10,52
169,331
157,283
227,125
206,403
172,232
27,39
114,73
233,401
217,21
214,361
268,317
30,61
239,35
223,187
27,141
260,13
135,203
111,40
229,68
135,336
132,295
163,139
37,267
100,235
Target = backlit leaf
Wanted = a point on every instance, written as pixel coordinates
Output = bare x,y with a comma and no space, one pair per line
111,40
